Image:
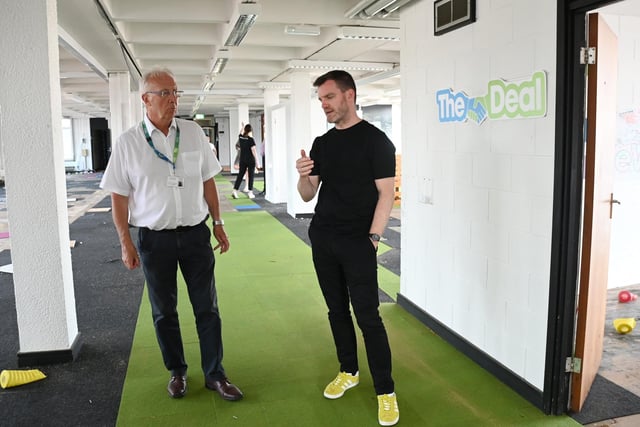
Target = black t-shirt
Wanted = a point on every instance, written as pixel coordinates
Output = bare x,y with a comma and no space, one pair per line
246,156
348,161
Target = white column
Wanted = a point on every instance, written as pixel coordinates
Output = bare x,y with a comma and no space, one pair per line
271,98
299,137
136,106
396,126
243,114
31,131
119,88
234,129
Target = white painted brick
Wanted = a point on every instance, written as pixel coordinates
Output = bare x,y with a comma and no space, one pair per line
532,18
471,138
470,267
545,133
500,23
542,216
533,175
495,330
535,329
512,136
471,202
473,84
441,137
514,62
511,211
440,76
515,353
456,229
538,293
443,195
492,171
490,239
464,169
530,253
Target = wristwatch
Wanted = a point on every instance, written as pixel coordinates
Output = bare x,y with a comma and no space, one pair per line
218,222
375,237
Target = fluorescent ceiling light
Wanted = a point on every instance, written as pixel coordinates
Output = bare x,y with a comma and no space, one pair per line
247,15
369,33
274,85
302,30
379,76
219,65
222,57
339,65
377,9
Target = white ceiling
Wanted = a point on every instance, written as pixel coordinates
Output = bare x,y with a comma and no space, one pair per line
187,37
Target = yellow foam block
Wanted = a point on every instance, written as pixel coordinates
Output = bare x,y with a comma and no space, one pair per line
624,325
12,378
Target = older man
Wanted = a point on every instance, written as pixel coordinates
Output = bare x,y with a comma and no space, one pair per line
160,176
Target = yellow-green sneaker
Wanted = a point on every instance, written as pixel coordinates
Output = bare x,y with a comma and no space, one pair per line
388,413
343,382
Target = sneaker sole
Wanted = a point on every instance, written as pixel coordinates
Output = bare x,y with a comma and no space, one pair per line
338,396
389,423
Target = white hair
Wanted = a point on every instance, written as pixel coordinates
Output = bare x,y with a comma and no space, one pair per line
154,73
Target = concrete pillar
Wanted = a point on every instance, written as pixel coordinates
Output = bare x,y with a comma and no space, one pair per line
136,106
299,137
243,114
396,126
271,99
234,128
31,132
119,89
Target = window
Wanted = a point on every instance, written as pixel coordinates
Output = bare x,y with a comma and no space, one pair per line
67,140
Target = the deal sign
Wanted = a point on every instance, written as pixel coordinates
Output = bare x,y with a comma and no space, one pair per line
504,100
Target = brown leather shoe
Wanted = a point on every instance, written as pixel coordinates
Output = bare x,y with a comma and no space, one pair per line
227,390
177,386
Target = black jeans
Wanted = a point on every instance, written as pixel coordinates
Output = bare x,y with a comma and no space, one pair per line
161,252
244,167
347,270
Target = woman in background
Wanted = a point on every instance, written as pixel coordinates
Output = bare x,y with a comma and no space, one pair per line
248,161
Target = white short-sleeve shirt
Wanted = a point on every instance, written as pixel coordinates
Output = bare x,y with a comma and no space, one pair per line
137,172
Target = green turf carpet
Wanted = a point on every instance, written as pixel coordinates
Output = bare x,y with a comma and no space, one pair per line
279,351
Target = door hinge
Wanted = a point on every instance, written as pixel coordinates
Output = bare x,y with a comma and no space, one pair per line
587,55
573,364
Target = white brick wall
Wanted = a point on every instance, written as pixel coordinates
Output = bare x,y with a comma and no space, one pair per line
479,255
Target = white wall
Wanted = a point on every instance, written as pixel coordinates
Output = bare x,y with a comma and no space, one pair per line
625,233
226,152
478,255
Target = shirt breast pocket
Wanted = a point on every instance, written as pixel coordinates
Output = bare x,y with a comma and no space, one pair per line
191,163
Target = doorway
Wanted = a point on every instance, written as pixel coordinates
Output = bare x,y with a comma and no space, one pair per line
569,188
620,364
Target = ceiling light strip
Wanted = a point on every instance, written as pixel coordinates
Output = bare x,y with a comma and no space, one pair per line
247,14
344,65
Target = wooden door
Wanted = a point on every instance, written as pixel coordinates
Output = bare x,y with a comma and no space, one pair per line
600,143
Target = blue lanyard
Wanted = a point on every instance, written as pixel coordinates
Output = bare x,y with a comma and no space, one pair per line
176,147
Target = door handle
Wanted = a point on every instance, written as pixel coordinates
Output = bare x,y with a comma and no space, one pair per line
611,202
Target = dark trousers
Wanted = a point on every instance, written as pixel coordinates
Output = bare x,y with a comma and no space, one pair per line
243,168
347,270
161,252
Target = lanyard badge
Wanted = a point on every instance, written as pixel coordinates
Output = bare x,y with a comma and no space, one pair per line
172,180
